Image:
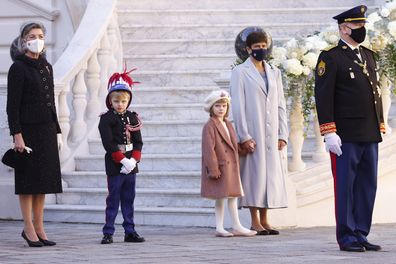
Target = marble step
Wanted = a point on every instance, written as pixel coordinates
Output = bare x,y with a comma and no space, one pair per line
182,61
171,216
171,95
155,162
182,145
224,4
227,15
170,111
150,78
173,128
144,197
212,31
157,145
147,179
149,162
196,47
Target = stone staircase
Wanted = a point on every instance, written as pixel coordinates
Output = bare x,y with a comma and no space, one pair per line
180,48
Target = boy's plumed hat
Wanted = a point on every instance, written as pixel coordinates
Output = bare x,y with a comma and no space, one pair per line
120,82
215,96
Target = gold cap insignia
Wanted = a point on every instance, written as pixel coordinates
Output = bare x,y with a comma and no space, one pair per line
362,9
321,68
344,47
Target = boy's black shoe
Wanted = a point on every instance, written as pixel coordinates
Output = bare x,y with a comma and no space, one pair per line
133,237
107,239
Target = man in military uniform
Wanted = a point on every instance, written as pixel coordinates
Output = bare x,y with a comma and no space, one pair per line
348,102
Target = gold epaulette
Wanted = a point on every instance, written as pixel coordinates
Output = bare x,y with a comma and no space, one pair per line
329,48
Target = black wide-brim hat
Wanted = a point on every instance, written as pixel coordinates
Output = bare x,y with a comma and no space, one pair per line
15,159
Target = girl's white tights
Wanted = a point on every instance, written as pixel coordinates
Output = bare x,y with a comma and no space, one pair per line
233,210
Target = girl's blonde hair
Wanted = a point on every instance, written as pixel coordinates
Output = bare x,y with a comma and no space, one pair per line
222,101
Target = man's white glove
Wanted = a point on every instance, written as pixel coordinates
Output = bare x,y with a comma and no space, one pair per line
333,143
127,165
60,141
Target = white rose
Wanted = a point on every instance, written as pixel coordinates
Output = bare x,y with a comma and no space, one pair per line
292,54
309,60
291,44
390,6
373,17
275,62
392,28
293,66
333,39
279,53
306,70
385,12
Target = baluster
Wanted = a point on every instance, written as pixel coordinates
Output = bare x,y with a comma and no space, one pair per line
296,135
79,126
93,85
386,100
320,153
104,58
64,120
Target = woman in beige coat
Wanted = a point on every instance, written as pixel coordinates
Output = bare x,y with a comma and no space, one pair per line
259,113
220,165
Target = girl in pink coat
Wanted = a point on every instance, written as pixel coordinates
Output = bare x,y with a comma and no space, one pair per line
220,164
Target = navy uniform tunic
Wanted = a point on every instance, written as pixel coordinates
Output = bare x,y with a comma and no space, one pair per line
347,94
112,128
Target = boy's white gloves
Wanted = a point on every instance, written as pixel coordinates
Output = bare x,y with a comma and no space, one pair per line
127,165
60,141
333,143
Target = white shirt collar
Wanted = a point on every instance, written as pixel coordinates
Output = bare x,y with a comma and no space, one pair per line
350,46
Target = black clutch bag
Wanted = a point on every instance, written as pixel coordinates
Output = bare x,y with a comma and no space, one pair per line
15,159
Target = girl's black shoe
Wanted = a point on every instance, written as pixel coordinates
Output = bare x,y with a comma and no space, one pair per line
46,242
30,242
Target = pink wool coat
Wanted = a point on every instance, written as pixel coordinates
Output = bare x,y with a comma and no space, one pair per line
220,157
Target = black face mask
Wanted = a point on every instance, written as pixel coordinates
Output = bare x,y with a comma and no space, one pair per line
260,54
358,34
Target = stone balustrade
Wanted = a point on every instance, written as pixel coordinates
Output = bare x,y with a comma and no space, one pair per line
82,71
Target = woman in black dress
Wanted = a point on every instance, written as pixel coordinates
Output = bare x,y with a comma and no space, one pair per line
33,123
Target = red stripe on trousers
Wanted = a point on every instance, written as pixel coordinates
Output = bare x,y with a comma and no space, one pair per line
333,159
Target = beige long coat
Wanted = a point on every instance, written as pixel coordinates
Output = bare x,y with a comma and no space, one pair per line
259,113
220,157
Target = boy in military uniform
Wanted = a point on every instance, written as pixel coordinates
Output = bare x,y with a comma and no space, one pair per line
349,107
120,133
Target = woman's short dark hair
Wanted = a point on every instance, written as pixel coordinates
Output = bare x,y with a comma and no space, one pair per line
256,37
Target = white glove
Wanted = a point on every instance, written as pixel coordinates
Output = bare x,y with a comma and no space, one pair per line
127,165
333,143
28,150
60,141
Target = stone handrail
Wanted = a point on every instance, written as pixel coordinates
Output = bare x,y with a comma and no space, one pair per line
81,72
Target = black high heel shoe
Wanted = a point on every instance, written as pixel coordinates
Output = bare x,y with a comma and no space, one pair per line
46,242
30,242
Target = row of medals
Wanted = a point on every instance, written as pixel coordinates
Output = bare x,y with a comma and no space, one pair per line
365,71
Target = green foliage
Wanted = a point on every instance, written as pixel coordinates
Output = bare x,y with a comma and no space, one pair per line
302,86
387,62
